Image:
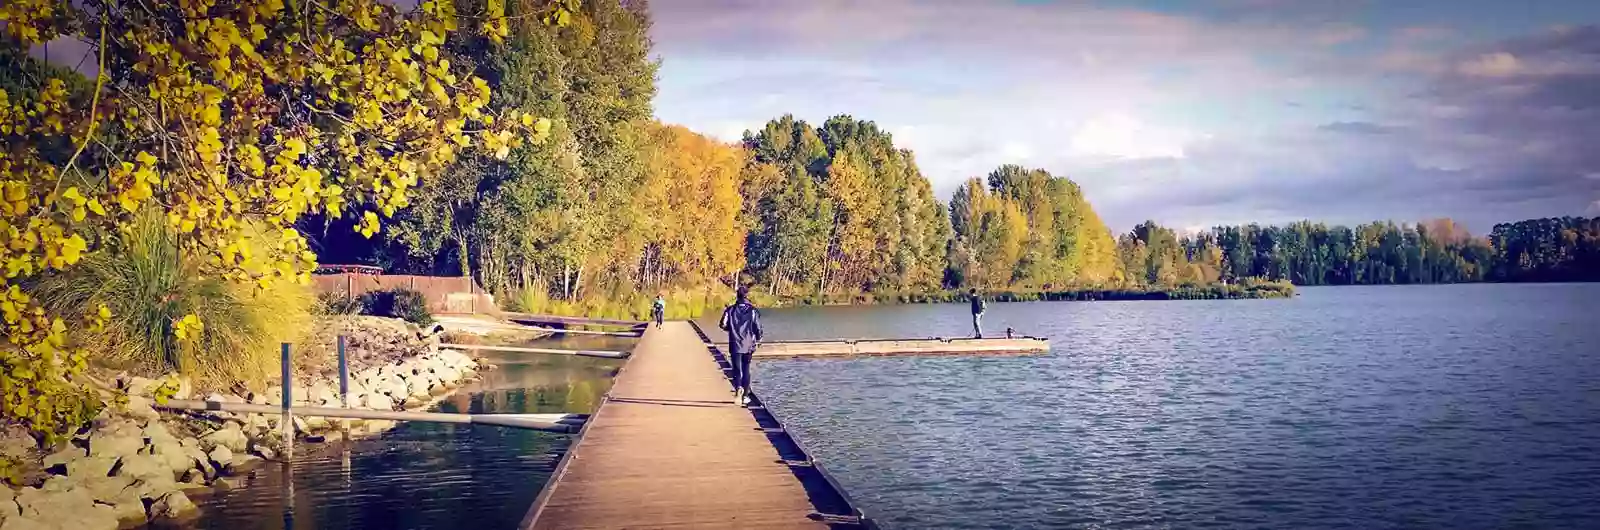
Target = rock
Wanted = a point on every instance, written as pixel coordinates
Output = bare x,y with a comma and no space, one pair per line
140,407
185,388
15,442
116,441
174,505
64,456
8,503
127,507
140,386
230,437
223,398
141,467
420,387
323,394
154,487
379,402
58,483
97,466
201,461
222,484
107,489
265,452
242,463
174,456
315,423
221,456
190,441
156,433
73,508
23,523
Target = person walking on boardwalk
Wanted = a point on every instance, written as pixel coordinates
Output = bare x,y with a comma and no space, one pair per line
977,313
743,324
658,309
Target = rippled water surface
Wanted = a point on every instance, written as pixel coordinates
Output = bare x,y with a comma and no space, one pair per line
1469,406
425,475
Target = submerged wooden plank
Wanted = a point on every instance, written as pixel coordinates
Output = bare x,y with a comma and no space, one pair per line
843,348
570,321
669,449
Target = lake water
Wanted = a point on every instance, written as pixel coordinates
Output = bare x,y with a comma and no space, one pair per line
427,475
1464,406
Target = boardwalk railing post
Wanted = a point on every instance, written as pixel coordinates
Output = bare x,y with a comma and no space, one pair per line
288,397
344,376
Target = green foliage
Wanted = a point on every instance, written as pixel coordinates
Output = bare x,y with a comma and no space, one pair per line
1543,250
406,304
150,287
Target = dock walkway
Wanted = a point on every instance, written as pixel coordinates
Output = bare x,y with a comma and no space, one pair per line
669,449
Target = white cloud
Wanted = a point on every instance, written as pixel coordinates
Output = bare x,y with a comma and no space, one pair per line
1119,135
1497,64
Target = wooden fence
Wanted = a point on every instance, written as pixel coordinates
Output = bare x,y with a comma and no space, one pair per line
445,294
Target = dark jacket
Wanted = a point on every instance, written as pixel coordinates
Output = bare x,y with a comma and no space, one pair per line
743,324
977,304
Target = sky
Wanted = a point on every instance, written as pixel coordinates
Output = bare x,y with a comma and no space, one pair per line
1189,113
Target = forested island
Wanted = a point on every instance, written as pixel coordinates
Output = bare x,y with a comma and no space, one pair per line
615,206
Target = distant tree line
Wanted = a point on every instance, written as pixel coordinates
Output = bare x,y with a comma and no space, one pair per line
1307,253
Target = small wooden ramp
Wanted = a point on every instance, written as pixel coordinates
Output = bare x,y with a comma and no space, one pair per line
669,449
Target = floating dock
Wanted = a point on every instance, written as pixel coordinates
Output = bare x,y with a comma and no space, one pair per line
667,448
907,347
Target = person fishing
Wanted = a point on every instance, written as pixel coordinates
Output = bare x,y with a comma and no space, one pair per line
977,313
743,323
658,310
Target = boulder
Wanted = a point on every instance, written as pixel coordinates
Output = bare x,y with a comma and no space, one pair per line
126,506
174,505
116,441
22,523
221,456
140,386
73,508
173,455
222,484
379,401
65,456
15,442
242,463
420,387
156,433
142,408
154,487
229,436
107,489
8,503
91,467
322,394
140,467
201,461
58,483
223,398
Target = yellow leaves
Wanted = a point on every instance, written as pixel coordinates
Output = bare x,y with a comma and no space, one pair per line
188,328
369,224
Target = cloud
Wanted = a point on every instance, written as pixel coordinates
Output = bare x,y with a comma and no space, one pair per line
1177,116
1497,64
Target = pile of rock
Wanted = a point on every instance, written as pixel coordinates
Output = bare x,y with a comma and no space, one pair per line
372,341
130,467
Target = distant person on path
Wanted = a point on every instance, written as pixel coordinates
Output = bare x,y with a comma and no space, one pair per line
743,324
977,313
659,309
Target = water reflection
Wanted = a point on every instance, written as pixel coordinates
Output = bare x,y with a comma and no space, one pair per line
423,475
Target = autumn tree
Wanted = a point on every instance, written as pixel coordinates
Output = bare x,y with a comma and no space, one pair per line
225,116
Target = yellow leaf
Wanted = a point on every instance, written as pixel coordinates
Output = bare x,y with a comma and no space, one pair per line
94,206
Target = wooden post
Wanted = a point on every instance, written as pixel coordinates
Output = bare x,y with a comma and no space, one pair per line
288,397
344,375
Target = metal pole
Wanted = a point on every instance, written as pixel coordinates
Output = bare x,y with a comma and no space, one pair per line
288,397
344,376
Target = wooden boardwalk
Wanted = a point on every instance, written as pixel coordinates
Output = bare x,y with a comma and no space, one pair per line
669,449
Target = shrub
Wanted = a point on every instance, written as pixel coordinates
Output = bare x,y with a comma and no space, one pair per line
151,284
405,304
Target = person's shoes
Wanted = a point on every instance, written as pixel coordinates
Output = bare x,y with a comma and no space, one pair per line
738,396
744,399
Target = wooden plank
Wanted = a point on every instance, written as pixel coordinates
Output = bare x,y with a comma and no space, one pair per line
881,347
571,321
669,449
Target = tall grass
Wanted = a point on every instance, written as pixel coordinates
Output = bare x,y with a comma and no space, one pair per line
149,282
